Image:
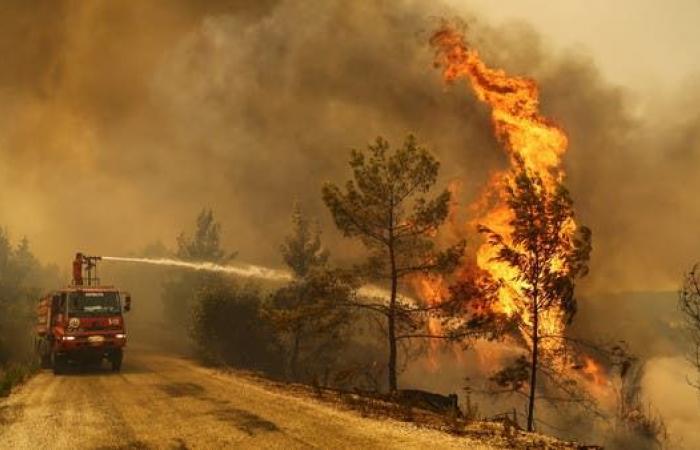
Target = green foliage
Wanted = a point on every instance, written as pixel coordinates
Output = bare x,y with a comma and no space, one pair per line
203,245
302,250
306,313
15,374
310,321
228,328
22,280
386,206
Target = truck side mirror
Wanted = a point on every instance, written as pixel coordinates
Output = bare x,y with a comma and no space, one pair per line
127,302
55,304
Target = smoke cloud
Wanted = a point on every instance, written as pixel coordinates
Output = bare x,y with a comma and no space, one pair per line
138,116
669,393
123,120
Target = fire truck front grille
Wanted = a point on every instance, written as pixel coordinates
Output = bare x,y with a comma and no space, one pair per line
98,327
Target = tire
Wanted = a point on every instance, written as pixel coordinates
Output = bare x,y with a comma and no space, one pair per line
116,360
43,354
59,364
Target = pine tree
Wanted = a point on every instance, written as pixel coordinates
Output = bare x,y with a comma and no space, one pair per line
386,206
546,255
306,312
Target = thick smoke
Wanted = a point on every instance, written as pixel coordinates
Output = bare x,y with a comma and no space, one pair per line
122,117
235,113
123,120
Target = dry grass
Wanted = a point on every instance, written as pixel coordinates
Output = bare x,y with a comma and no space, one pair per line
498,434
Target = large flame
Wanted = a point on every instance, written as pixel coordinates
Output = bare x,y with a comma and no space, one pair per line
526,135
514,103
536,142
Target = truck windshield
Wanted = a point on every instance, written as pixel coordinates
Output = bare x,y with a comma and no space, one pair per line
93,303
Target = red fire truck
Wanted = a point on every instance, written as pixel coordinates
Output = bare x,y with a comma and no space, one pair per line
82,322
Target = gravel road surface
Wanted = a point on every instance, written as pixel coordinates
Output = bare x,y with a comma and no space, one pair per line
160,401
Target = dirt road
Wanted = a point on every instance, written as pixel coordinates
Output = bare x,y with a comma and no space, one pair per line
166,402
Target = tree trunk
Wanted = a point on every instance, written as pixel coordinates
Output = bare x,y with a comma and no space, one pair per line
391,324
297,329
391,317
533,368
392,352
293,361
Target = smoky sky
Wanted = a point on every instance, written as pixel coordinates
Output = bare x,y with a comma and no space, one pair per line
121,121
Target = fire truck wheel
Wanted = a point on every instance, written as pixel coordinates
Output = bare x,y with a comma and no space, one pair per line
116,360
59,364
43,354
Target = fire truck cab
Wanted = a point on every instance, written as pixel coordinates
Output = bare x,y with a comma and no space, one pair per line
82,322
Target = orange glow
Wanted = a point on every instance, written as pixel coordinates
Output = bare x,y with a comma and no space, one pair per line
595,379
526,136
594,372
537,142
432,290
514,103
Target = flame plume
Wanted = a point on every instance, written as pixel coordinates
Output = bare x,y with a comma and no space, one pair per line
514,103
527,136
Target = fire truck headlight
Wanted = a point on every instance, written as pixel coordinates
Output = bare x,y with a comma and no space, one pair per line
68,338
120,336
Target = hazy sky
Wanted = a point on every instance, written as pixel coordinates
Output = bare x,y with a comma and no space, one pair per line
636,43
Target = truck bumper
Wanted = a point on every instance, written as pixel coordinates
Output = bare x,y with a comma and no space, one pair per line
87,354
83,349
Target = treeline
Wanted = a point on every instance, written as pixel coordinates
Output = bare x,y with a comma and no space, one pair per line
22,280
354,327
298,331
358,327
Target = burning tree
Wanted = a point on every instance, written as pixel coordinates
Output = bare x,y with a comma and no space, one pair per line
386,207
535,250
689,304
546,252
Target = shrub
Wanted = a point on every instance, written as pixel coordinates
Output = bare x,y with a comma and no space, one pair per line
15,374
228,328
